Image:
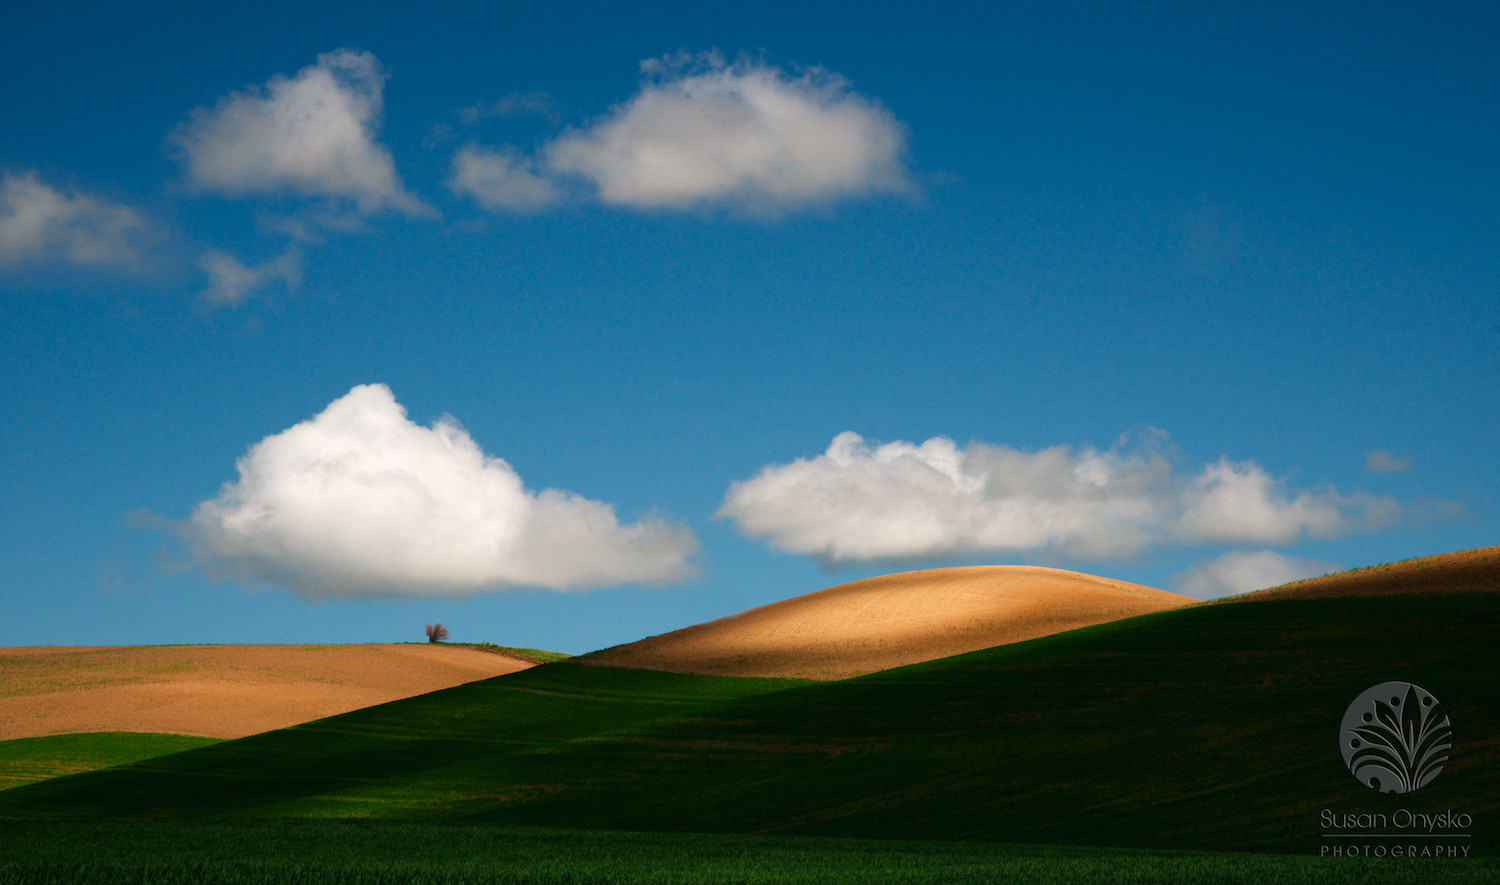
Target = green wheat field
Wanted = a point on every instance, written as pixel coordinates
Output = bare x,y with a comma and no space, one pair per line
1193,745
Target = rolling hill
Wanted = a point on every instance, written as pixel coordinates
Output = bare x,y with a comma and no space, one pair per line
1204,727
891,621
222,691
1466,571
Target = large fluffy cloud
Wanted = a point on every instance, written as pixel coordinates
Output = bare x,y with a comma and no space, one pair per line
1241,571
745,134
311,135
38,224
862,502
359,501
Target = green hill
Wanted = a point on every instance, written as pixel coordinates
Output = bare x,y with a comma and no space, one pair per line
1212,727
25,760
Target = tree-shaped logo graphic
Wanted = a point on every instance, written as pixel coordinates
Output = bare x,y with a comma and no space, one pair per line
1395,737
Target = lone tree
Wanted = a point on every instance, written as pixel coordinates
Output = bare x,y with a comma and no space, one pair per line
436,632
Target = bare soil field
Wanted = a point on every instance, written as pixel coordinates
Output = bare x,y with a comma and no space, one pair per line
1467,571
222,691
891,621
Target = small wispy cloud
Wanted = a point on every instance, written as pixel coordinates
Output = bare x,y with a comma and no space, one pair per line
311,135
514,105
41,224
1382,461
517,104
1242,571
861,502
501,180
358,501
231,281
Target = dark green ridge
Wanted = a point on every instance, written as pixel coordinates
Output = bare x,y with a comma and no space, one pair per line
1212,727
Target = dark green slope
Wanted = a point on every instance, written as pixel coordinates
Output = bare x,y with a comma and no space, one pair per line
26,760
1212,727
485,742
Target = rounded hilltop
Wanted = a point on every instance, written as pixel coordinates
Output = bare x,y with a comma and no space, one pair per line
891,621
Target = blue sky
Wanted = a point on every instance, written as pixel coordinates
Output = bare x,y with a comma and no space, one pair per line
570,324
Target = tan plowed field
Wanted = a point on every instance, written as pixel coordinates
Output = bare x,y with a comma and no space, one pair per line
223,691
231,691
891,621
1467,571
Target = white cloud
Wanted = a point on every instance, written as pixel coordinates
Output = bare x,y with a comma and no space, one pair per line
744,134
1243,571
40,224
862,502
501,180
312,135
231,281
1240,503
1382,461
360,502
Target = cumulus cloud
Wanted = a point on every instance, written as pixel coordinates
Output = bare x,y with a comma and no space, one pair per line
1245,570
312,135
501,180
1382,461
361,502
864,502
40,224
1240,503
701,131
231,281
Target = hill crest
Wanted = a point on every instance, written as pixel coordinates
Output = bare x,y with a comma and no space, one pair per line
1464,571
891,621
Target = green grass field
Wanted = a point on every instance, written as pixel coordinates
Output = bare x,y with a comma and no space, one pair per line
27,760
536,655
371,852
420,756
1209,729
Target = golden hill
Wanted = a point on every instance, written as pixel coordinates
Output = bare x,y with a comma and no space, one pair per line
1466,571
891,621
